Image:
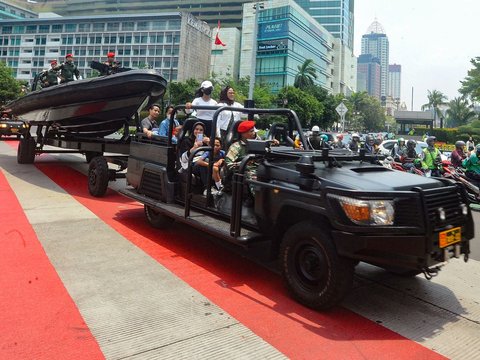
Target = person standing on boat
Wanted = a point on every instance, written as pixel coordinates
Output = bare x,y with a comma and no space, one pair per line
67,70
149,124
50,77
112,65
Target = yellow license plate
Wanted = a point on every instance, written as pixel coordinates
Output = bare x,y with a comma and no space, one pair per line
449,237
14,130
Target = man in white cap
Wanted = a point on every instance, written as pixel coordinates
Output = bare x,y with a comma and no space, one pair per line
203,98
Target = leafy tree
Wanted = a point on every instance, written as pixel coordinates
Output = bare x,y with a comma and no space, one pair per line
435,99
10,88
306,74
366,112
329,115
306,106
460,112
471,84
181,92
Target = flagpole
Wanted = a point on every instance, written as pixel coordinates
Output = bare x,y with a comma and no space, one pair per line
250,103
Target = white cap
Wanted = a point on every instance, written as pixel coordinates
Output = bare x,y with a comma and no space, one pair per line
315,129
206,84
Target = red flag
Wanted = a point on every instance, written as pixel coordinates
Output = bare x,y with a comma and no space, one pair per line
217,39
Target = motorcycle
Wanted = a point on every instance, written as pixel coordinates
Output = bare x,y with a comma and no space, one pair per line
458,174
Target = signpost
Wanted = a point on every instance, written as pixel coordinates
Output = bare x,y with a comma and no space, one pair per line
342,110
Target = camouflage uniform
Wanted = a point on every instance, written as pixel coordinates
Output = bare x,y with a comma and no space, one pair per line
111,69
49,77
235,155
67,70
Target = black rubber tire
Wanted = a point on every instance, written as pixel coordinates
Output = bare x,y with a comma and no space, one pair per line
98,176
313,272
157,219
26,151
89,155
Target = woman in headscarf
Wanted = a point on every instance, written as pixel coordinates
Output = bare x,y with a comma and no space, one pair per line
196,139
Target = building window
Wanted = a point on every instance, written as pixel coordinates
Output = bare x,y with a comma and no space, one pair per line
19,29
71,28
98,26
84,27
6,30
31,29
57,28
113,26
128,26
217,52
44,29
41,40
142,25
159,25
174,24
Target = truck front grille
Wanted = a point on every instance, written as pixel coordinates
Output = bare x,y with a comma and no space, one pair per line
449,201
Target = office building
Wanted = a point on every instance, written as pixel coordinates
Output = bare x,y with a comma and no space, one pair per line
176,44
225,62
228,11
286,37
394,81
369,75
375,43
11,11
337,17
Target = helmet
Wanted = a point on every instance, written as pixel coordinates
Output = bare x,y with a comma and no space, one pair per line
431,140
460,144
324,137
369,140
340,136
400,140
315,129
411,143
355,136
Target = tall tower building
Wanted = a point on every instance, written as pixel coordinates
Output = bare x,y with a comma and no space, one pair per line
368,75
335,16
375,43
394,81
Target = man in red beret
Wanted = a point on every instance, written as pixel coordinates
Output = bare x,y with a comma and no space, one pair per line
112,65
49,77
238,149
68,70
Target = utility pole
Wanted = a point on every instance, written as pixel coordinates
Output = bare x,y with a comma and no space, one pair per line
250,103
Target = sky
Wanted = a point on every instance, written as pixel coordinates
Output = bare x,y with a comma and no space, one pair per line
433,40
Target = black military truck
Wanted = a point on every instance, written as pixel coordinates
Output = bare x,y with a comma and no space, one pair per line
317,212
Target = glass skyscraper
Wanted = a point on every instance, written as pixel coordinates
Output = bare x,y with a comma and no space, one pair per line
335,16
375,43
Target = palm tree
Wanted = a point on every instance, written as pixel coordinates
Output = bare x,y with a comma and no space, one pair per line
435,99
306,74
460,112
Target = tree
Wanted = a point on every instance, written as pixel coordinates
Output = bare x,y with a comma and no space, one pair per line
460,112
329,115
181,92
471,84
306,106
10,88
306,74
365,112
435,99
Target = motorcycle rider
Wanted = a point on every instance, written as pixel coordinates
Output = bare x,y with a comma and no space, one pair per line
409,157
314,140
400,149
354,144
339,143
431,158
458,155
472,165
370,145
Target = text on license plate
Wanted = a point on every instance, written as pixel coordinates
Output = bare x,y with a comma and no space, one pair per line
449,237
14,130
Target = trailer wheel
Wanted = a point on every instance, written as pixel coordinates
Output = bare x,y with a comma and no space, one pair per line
157,219
98,176
313,272
26,151
89,155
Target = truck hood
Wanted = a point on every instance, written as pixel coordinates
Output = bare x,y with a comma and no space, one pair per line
365,176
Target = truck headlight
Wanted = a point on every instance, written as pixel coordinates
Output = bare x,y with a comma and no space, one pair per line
3,125
368,212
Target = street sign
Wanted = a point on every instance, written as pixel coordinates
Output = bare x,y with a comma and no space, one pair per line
341,109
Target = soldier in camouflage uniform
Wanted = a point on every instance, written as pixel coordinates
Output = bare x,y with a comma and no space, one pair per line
68,69
112,65
50,77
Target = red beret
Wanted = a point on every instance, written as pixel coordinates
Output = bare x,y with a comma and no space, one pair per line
53,61
245,126
111,54
68,55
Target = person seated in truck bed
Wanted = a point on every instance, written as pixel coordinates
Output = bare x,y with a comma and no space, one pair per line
201,166
149,124
188,144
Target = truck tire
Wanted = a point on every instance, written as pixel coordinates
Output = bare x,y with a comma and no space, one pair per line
157,219
26,151
98,176
312,271
89,155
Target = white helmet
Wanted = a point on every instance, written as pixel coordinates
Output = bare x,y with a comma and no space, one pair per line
355,135
315,129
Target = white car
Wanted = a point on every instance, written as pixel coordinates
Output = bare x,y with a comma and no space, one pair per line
386,147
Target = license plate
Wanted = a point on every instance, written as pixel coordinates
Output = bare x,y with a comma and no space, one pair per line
449,237
14,130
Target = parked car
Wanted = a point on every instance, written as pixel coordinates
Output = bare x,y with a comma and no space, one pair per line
387,145
12,127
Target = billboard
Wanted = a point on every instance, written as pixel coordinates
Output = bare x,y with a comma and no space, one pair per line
273,29
272,45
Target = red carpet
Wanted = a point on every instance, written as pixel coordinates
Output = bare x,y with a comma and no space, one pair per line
250,293
38,319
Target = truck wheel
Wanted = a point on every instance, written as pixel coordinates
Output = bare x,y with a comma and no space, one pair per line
98,176
312,270
26,151
89,155
157,219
